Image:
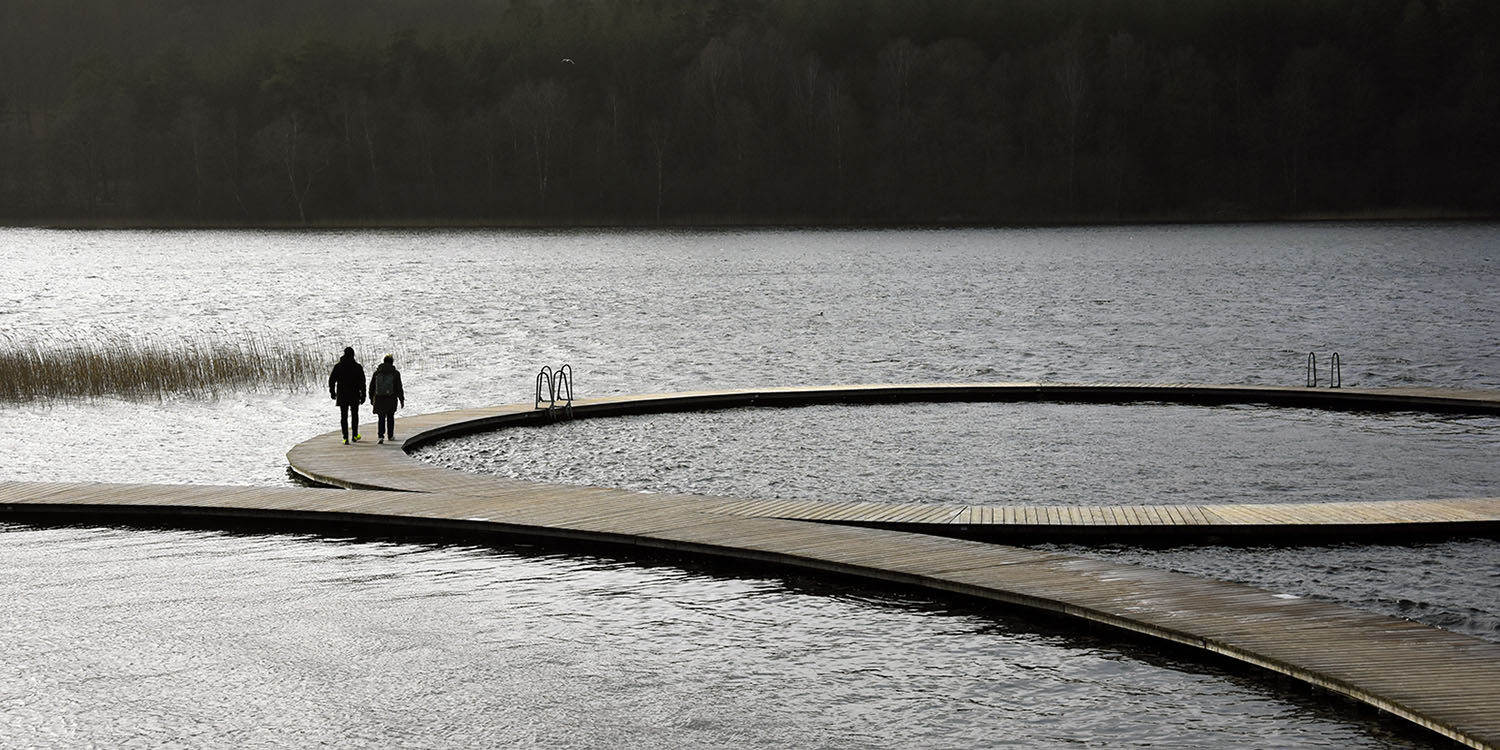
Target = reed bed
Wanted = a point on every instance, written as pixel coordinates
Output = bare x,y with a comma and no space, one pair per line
95,365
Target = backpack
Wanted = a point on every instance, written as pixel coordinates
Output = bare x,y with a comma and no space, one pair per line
384,384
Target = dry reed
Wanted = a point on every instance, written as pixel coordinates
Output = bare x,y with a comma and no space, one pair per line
83,366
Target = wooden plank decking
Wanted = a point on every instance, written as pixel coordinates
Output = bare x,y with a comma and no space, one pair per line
324,459
1158,523
1444,681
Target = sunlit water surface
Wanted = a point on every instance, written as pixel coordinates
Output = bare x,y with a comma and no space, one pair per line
140,638
121,637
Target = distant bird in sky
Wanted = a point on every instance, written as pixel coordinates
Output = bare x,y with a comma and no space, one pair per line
569,61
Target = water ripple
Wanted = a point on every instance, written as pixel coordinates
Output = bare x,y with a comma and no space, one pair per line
358,644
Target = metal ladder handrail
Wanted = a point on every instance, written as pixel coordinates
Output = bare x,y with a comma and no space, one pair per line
1335,370
565,383
559,382
546,376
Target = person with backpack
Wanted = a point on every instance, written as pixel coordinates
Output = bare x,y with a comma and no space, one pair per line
346,385
385,391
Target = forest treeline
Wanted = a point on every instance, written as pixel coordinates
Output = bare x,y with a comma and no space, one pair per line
805,111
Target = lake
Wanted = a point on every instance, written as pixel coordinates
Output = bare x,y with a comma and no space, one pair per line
133,635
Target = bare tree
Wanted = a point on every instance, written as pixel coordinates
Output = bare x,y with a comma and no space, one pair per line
1125,89
297,156
898,64
194,125
659,132
1066,57
538,113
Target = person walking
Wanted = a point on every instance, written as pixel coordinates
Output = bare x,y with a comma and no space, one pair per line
346,385
385,391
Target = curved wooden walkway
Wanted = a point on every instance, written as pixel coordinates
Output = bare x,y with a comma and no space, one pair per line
1446,682
325,460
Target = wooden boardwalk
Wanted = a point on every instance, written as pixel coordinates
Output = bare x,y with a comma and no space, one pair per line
1340,521
1443,681
325,460
1446,682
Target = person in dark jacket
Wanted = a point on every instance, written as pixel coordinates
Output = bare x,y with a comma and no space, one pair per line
385,391
346,385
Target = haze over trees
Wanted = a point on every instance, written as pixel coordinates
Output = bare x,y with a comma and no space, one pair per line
644,111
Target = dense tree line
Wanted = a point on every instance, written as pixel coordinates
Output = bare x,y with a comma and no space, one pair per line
255,111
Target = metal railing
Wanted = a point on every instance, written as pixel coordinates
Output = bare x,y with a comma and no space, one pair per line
555,384
565,383
1335,371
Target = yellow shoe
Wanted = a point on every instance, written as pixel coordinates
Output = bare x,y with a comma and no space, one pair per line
357,437
346,441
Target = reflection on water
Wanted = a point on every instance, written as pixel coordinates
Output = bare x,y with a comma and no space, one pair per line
122,638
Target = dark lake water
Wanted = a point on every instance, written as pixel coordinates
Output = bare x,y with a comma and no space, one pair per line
126,637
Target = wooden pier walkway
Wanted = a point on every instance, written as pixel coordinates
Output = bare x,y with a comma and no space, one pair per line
324,460
1392,664
1260,522
1446,682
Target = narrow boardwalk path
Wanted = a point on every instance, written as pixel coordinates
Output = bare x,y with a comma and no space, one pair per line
1441,680
1339,521
1447,682
325,460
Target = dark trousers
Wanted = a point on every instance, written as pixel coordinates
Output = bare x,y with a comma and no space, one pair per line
348,413
386,424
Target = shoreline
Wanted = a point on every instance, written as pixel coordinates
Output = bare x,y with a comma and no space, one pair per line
1375,216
